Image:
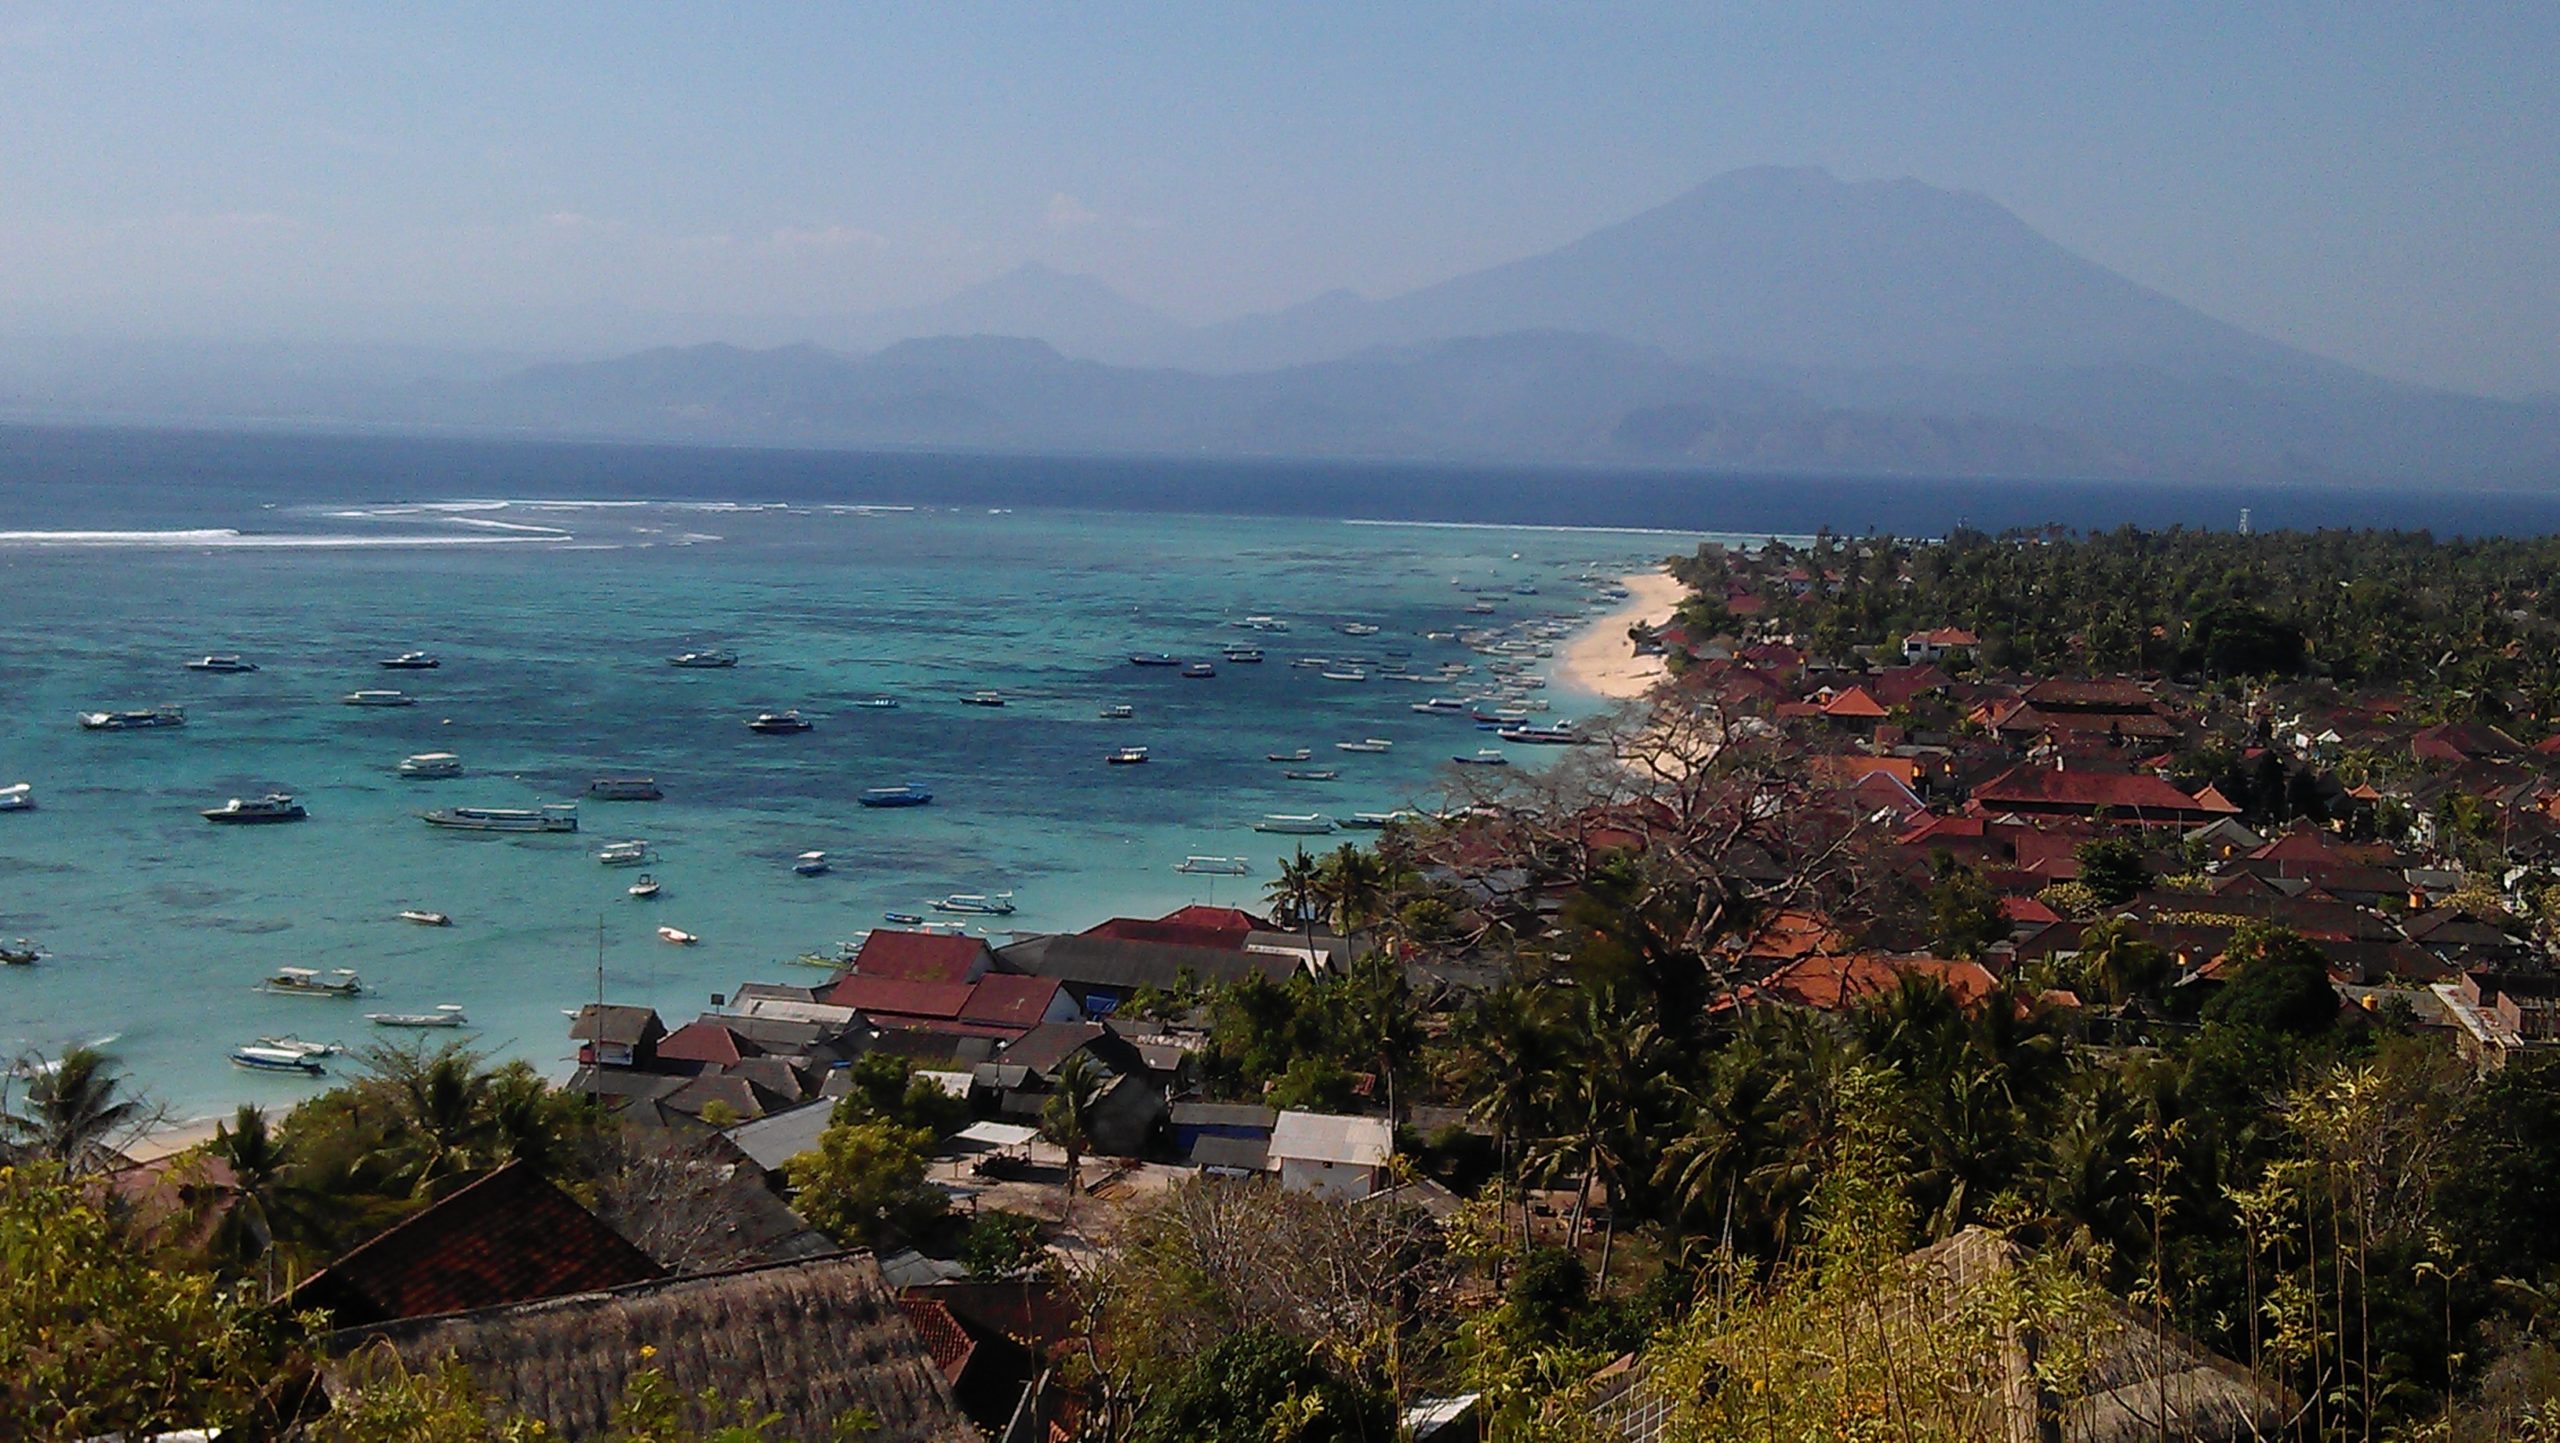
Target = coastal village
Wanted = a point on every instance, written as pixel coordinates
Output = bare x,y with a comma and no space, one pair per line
1423,1099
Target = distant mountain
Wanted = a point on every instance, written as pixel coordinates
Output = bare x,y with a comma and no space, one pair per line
1545,396
1078,315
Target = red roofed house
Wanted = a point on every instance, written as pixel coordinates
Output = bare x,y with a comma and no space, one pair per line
1829,983
707,1041
1854,705
1010,1000
923,956
508,1237
1935,644
2130,798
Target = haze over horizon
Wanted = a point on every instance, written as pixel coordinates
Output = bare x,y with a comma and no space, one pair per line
2376,188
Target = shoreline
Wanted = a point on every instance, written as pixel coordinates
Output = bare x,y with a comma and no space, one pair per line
1599,661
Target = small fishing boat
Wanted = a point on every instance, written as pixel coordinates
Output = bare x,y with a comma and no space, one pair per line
907,795
425,918
378,696
644,889
1215,866
447,1014
1302,824
295,1045
1373,821
133,721
1199,669
275,1059
429,766
1441,706
1312,661
704,660
903,919
779,723
409,661
1370,744
878,703
17,797
1480,608
1128,757
1244,655
983,698
1357,628
1345,673
222,661
20,953
678,936
556,817
1559,735
625,789
810,864
1119,711
309,982
981,904
1314,775
253,811
1300,755
632,853
1154,658
1484,757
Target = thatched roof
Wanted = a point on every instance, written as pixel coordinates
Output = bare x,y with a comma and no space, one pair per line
808,1341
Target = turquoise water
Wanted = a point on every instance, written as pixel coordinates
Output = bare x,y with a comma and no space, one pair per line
553,620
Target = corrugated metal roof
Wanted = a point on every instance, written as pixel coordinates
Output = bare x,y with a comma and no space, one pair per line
1323,1137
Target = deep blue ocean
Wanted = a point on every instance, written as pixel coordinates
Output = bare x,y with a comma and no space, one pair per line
554,579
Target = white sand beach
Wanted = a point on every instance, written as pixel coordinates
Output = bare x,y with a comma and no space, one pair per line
1600,661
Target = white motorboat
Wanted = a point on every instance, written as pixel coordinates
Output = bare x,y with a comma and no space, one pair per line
276,1059
556,817
983,698
1370,744
624,854
253,811
1299,824
310,982
1442,706
409,661
1325,774
713,660
222,661
644,889
1484,757
133,721
425,918
810,864
1357,628
17,797
1302,754
1373,821
1345,673
999,904
779,723
428,766
1215,866
1244,655
878,703
625,789
677,936
1127,757
1119,711
378,696
447,1014
290,1043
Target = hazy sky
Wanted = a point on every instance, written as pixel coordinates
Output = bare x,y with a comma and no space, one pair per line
2378,182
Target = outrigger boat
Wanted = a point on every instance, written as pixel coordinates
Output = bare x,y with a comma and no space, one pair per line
17,797
1371,744
1119,711
308,982
425,918
251,811
1304,824
131,721
377,696
557,817
1215,866
1373,821
300,1048
222,661
1302,754
1314,775
810,864
908,795
903,919
624,854
428,766
1127,757
707,660
978,904
983,698
276,1059
20,953
409,661
779,723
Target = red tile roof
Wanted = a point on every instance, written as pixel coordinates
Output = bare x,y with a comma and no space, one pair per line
509,1237
1177,934
1854,703
944,1338
895,997
703,1040
1004,999
2054,787
921,956
1830,983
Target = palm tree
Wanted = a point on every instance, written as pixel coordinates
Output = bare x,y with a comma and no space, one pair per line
1506,1054
1294,890
445,1126
265,1204
76,1112
1621,1058
1068,1115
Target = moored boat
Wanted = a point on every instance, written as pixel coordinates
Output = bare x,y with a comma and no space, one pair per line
1215,866
1368,744
447,1014
428,766
290,1043
632,853
1119,711
1344,673
251,811
903,919
625,789
1243,655
998,904
378,696
425,918
20,953
1300,755
222,661
907,795
18,797
1154,658
714,659
310,982
1127,757
983,698
409,661
556,817
1302,824
1357,628
1317,775
133,721
276,1059
1199,669
810,864
1442,706
678,936
779,723
1484,757
1558,735
1373,821
878,703
644,889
